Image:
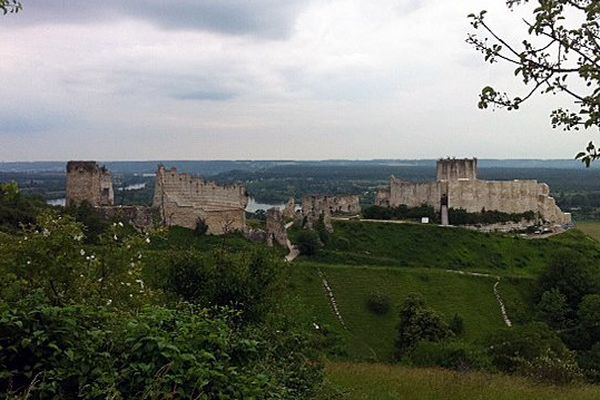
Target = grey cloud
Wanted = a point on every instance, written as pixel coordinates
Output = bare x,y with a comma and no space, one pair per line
201,95
27,123
265,18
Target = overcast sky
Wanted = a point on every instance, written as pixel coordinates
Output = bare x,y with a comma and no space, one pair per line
259,79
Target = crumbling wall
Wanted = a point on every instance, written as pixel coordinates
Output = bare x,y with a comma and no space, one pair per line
139,217
88,182
276,232
458,180
339,204
183,200
289,212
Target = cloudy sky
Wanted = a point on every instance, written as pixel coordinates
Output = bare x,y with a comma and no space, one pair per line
259,79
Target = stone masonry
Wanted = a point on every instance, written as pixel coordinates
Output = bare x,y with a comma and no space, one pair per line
87,181
184,200
457,180
275,224
345,204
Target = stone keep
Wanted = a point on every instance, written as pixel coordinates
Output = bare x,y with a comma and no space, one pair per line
183,200
457,180
89,182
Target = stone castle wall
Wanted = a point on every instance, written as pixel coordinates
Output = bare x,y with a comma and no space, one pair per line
275,225
87,181
344,204
140,217
458,180
183,200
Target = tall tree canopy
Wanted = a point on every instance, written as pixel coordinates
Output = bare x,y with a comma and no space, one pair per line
560,53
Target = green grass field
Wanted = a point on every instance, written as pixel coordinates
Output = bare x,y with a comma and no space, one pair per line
360,381
413,245
592,229
370,336
363,258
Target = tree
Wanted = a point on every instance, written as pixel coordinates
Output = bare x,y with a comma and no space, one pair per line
570,274
10,6
553,308
308,242
418,323
589,315
561,55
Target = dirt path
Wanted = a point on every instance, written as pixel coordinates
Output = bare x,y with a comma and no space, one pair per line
293,250
495,289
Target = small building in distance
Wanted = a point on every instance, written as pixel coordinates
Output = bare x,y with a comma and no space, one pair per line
185,200
458,185
88,182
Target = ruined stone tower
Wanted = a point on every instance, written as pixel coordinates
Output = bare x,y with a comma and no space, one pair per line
452,169
89,182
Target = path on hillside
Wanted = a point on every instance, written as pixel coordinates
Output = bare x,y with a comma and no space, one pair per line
331,297
293,250
495,289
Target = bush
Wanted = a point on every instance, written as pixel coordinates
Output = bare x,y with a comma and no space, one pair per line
533,350
572,275
50,257
250,282
201,227
401,212
307,242
418,323
457,325
553,309
450,354
378,303
90,353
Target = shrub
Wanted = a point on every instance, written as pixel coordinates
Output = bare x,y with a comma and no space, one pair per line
457,325
201,227
90,353
250,282
535,351
572,275
418,323
553,309
450,354
378,303
551,368
307,242
51,257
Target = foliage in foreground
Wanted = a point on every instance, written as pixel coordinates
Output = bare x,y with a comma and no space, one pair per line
82,321
557,55
159,353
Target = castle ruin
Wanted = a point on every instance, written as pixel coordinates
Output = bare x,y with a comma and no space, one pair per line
88,182
458,186
185,200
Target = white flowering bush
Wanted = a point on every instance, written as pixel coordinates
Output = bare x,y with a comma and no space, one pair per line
50,257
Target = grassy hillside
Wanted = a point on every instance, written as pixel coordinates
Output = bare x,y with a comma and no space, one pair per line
383,382
413,245
369,336
592,229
